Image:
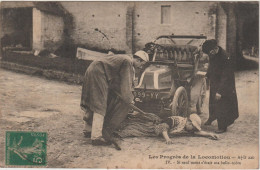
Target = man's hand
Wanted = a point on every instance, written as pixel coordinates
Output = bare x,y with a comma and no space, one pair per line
206,65
166,137
218,96
213,136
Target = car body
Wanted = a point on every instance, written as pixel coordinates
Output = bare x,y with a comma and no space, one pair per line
164,85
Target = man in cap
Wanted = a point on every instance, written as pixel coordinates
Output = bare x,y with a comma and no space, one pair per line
105,77
223,104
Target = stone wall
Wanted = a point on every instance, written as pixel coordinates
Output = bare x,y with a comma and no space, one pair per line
186,18
231,32
52,28
221,27
99,24
37,29
128,26
47,30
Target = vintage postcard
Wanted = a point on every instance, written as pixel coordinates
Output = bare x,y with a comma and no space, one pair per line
129,84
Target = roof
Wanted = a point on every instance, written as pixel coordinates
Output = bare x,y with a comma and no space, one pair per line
9,4
54,8
50,7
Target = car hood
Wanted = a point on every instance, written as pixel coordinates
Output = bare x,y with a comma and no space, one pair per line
156,76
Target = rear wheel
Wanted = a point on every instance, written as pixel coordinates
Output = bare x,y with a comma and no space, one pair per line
202,97
179,105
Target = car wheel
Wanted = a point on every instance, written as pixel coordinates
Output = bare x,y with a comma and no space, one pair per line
179,105
202,97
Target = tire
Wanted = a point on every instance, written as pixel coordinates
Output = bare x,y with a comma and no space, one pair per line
202,97
179,105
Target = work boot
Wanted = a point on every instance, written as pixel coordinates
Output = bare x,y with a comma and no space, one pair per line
87,134
221,127
221,130
96,133
100,142
87,130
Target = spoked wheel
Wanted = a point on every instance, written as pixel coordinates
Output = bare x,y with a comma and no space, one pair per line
179,103
202,97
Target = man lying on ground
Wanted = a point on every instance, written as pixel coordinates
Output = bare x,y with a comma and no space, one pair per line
151,125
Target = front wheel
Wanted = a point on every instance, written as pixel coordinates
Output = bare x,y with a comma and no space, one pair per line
179,105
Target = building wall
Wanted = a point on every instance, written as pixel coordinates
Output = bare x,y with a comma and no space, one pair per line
221,27
47,30
231,32
52,31
186,18
100,24
108,24
37,29
1,25
16,4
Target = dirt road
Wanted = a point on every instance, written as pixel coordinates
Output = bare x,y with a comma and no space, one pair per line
33,104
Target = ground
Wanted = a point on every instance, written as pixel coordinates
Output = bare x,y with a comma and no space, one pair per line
31,103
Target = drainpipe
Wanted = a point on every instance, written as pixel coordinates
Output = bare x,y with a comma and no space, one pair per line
130,27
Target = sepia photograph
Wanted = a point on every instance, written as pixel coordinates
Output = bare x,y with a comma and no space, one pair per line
129,84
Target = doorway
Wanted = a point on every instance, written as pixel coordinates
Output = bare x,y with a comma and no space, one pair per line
17,27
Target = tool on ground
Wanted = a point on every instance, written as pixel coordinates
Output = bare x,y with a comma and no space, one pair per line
108,138
107,135
147,116
131,105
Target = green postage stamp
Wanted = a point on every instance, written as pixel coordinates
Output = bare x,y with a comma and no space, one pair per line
26,148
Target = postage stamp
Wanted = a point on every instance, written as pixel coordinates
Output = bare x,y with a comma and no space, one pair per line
26,148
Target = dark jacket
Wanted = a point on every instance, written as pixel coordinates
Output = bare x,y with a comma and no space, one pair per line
222,80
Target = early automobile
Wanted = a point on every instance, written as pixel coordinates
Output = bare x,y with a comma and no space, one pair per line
164,86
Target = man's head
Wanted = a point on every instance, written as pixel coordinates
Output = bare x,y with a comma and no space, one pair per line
149,48
140,58
210,47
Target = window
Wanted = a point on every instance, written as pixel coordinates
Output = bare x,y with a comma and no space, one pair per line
165,14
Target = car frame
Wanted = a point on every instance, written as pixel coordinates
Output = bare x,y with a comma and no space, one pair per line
165,84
